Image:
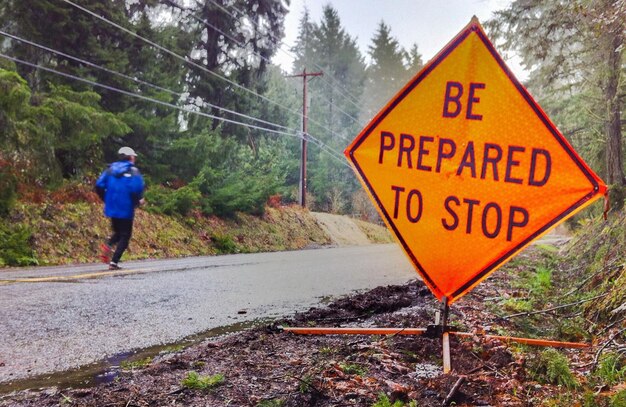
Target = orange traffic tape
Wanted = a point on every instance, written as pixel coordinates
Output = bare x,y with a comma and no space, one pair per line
528,341
355,331
422,331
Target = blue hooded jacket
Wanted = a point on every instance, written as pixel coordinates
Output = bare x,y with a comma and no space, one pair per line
121,188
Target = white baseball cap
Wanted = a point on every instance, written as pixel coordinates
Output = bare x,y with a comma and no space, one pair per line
127,151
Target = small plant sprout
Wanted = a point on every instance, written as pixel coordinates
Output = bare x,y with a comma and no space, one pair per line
353,368
195,381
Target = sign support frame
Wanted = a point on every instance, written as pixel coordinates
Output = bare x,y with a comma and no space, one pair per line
439,330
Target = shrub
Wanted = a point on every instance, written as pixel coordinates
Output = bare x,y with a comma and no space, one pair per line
15,249
619,399
195,381
550,366
135,364
611,369
541,282
224,243
271,403
169,202
352,368
383,401
592,400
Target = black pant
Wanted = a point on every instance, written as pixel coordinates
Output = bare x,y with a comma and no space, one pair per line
122,230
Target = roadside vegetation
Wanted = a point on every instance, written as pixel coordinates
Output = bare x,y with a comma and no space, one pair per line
576,294
568,293
67,226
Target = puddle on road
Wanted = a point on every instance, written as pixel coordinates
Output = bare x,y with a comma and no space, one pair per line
108,370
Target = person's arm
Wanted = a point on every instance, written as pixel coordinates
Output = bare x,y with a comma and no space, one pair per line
138,188
101,185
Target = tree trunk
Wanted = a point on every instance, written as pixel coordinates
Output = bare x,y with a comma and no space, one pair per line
614,158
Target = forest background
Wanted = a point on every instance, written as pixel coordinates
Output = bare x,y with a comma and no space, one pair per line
190,85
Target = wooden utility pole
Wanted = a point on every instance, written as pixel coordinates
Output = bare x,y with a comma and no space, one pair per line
304,76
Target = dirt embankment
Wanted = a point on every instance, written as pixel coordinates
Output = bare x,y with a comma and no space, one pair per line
72,232
346,231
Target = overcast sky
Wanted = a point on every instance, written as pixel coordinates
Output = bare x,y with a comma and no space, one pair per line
428,23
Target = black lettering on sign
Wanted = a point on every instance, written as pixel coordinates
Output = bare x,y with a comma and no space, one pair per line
387,142
455,217
488,159
420,206
443,142
470,213
537,152
452,104
422,152
512,163
521,222
473,99
407,144
454,91
498,214
491,217
468,160
396,204
414,203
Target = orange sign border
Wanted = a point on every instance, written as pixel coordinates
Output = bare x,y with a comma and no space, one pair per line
598,186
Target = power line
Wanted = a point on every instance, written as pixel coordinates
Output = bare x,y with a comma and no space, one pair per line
348,96
82,61
136,80
160,47
184,59
160,102
147,98
190,13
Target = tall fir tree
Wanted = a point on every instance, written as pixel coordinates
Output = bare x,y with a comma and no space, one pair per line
575,52
334,106
414,61
386,72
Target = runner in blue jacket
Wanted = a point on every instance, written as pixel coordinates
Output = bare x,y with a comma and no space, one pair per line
121,188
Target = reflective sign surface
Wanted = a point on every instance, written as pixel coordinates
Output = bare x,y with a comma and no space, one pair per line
465,167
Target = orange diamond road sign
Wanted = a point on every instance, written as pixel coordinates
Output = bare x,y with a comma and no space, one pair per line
466,169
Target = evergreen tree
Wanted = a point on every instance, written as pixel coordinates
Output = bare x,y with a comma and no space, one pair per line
62,27
575,51
386,73
53,134
233,40
83,36
334,104
414,61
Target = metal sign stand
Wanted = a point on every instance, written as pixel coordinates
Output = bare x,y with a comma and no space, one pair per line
445,335
440,329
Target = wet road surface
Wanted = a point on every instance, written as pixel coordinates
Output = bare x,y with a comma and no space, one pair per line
59,318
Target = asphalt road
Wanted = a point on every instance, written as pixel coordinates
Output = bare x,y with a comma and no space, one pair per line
59,318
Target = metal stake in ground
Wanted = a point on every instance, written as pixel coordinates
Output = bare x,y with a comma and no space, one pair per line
445,336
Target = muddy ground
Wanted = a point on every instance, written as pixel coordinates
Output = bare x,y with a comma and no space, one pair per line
267,367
